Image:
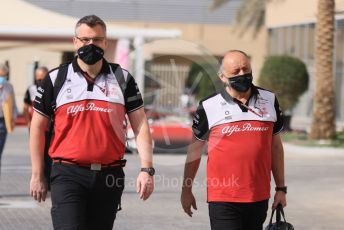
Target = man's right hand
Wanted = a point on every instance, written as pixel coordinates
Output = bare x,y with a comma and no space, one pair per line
187,200
38,188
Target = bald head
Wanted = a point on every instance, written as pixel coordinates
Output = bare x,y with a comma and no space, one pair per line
235,71
235,62
236,51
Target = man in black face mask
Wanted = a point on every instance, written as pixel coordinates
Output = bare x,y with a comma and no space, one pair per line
241,125
88,144
40,73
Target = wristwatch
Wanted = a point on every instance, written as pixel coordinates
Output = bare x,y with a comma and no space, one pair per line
283,189
150,170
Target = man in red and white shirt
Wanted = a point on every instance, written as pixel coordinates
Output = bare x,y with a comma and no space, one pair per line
241,124
87,148
30,94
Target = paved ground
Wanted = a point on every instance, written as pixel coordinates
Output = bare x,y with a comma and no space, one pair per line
315,200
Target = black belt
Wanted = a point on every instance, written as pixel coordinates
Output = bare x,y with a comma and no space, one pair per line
93,166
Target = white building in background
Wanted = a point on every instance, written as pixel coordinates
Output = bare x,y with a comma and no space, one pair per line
41,31
33,36
295,35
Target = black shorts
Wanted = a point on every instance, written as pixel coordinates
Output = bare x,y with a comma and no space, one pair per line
237,216
85,199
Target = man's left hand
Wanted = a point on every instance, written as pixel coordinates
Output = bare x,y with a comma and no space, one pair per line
144,185
280,198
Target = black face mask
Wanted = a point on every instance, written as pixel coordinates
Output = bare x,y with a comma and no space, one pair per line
90,54
241,83
38,82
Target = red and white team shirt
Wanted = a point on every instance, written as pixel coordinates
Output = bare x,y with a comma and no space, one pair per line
239,144
89,117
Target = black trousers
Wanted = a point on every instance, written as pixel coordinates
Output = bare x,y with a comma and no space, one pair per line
237,216
84,199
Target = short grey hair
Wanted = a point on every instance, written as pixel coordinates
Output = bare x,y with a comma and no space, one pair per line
4,68
91,21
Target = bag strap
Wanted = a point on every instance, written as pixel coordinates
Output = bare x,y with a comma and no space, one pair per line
59,81
117,70
272,215
279,211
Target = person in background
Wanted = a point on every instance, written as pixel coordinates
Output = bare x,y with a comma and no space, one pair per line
6,91
40,74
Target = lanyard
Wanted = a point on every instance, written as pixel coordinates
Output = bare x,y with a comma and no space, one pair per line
93,81
248,108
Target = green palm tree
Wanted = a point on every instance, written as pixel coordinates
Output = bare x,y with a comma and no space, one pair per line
323,124
252,13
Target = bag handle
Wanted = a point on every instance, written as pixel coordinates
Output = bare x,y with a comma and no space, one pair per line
272,215
279,211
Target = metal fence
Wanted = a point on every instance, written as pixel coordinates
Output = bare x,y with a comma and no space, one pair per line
171,79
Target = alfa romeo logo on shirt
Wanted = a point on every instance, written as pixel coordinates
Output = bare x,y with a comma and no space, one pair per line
75,109
247,127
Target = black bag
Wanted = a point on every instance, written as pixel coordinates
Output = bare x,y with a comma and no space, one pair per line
279,224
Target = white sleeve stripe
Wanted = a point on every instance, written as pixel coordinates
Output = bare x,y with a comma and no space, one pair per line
135,109
125,74
40,112
278,131
199,138
134,98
